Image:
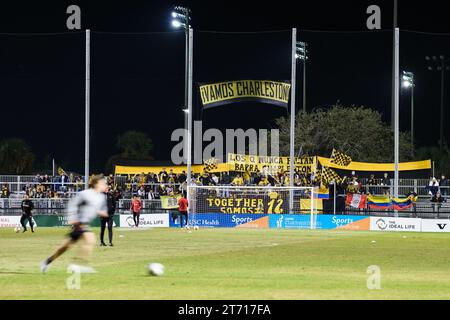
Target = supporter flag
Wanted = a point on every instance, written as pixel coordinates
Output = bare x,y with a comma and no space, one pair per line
379,202
211,164
61,171
403,204
168,202
358,201
329,175
340,158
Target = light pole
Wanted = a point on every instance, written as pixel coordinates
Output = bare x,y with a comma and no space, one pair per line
302,54
87,109
186,119
181,18
440,64
408,82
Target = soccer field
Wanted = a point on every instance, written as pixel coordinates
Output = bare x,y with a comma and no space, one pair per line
233,264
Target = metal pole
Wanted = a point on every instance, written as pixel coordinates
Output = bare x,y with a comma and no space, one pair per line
304,77
292,134
412,117
87,115
53,167
396,109
186,73
190,72
393,65
334,198
433,170
441,134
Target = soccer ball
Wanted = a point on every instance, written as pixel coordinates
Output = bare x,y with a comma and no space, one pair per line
195,227
156,269
17,229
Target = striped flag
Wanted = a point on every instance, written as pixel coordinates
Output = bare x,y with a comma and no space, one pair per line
358,201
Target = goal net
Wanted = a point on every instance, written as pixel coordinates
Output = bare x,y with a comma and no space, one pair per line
229,203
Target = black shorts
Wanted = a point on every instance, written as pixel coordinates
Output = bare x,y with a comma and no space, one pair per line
77,232
108,219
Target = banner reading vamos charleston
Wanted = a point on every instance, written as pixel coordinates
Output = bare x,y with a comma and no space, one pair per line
249,163
263,91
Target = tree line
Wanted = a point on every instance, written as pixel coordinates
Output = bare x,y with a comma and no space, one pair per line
356,131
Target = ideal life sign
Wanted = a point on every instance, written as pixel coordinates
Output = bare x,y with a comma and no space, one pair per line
395,224
145,221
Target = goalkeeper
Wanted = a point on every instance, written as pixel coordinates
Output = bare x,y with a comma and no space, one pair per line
183,209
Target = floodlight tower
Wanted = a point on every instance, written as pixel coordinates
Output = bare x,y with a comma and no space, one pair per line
181,18
301,54
408,82
440,64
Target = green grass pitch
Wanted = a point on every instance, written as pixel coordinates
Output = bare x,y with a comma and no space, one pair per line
232,264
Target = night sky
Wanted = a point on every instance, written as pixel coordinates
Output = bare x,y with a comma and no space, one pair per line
137,80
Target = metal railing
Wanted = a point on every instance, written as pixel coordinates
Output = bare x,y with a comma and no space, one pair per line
58,206
421,209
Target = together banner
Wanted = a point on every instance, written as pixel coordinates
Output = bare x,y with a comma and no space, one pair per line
271,164
265,91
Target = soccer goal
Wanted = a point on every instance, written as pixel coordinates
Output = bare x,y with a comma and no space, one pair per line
228,203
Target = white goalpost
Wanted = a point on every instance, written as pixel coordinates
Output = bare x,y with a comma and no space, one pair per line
228,202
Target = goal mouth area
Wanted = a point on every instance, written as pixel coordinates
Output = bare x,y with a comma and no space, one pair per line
252,200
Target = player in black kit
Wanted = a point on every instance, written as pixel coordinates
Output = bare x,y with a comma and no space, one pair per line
111,204
27,207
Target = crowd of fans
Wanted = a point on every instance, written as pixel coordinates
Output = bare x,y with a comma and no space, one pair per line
155,185
49,187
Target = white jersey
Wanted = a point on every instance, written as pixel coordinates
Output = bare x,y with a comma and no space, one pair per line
84,207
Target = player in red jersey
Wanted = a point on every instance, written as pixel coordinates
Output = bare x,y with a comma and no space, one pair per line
183,209
136,206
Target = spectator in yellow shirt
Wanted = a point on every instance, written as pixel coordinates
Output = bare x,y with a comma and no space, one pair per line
237,181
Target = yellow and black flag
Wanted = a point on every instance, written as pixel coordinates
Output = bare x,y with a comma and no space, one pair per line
61,171
340,158
210,165
329,175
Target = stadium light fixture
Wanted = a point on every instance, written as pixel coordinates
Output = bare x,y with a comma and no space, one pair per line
408,83
440,64
302,55
181,16
408,79
177,24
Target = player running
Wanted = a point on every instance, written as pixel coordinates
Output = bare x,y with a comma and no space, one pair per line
27,207
82,209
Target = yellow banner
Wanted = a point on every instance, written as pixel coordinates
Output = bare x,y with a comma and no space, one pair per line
380,167
264,91
168,202
221,167
248,163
